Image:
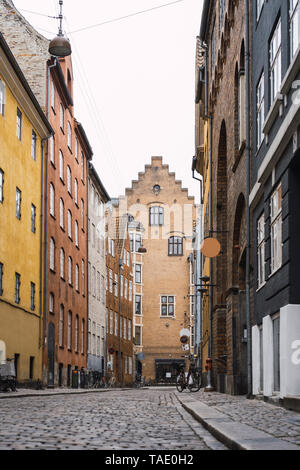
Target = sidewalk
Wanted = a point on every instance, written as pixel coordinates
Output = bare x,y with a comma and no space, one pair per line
243,424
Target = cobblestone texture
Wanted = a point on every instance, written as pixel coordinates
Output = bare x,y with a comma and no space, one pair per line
115,420
266,417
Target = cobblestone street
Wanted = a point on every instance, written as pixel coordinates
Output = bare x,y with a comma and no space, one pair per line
274,420
114,420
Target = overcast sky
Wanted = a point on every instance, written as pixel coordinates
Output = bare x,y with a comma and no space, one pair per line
134,82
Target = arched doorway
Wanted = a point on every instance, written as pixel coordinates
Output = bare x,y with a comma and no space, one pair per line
51,349
239,322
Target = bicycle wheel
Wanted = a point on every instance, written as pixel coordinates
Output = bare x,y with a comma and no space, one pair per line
194,382
180,383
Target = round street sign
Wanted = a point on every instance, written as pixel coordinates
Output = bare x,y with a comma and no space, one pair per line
210,247
184,339
141,356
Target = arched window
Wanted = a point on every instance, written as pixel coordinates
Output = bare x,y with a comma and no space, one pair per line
62,263
61,213
61,326
76,191
76,333
156,215
52,250
52,198
76,233
77,278
70,270
69,224
175,246
61,165
69,179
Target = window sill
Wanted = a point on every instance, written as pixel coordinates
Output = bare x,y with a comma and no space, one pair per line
291,73
272,114
261,287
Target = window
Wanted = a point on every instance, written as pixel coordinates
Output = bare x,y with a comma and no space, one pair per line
69,180
33,218
213,47
76,191
76,234
82,214
260,110
1,185
62,263
51,257
138,242
138,304
116,285
61,326
221,15
138,335
275,61
156,216
52,95
261,250
98,286
76,333
138,273
19,124
17,288
111,321
32,296
130,291
175,246
111,281
89,336
61,213
129,330
61,165
51,303
77,278
259,6
83,277
116,324
167,306
125,328
294,26
121,286
126,288
113,248
70,264
82,166
94,281
33,145
69,224
131,238
69,330
2,98
61,114
82,336
276,230
52,150
18,203
69,136
52,200
1,278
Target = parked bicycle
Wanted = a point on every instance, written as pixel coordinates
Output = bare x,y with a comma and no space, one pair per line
191,379
139,381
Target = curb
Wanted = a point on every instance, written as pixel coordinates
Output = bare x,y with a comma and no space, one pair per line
235,435
54,394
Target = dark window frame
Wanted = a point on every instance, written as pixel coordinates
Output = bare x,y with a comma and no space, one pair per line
175,246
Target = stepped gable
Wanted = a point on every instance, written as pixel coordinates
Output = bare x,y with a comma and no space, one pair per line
157,162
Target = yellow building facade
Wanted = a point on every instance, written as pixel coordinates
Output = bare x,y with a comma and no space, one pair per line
24,130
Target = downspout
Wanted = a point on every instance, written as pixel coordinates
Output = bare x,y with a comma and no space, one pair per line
46,215
87,263
209,117
248,169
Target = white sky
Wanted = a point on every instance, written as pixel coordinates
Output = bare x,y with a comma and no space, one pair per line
134,82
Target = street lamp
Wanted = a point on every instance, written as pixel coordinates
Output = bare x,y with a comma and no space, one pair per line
60,46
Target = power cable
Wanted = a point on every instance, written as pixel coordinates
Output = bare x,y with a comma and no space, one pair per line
126,16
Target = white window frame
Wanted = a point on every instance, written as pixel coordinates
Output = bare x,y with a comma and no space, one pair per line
294,26
260,110
168,303
261,251
275,61
52,254
259,7
276,229
2,98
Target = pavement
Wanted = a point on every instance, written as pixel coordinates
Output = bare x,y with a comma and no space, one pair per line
143,419
243,424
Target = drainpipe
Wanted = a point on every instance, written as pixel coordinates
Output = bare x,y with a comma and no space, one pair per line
248,169
209,117
46,215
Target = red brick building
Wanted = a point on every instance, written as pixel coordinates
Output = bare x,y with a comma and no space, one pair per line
66,233
119,300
